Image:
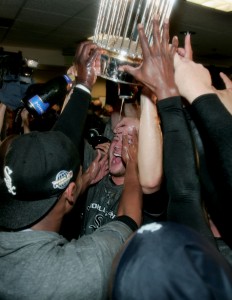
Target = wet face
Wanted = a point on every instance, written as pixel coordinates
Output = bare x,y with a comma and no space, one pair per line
116,165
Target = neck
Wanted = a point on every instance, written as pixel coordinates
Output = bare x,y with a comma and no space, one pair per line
117,180
48,224
53,220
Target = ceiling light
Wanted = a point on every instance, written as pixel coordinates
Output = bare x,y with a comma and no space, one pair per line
224,5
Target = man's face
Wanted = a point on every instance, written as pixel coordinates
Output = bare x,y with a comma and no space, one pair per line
116,165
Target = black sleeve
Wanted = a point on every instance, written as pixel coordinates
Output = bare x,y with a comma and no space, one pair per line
72,120
128,221
214,124
156,203
180,168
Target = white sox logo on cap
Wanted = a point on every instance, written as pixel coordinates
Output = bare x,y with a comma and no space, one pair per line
8,180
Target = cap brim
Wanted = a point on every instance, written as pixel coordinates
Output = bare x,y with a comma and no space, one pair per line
17,214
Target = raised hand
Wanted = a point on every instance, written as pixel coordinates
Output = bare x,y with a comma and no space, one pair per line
87,63
97,169
187,51
103,148
192,79
156,70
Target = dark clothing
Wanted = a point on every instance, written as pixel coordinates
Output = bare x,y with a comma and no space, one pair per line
185,181
70,126
180,168
224,249
214,124
170,261
101,204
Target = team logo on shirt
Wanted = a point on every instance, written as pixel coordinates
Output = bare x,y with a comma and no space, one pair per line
97,222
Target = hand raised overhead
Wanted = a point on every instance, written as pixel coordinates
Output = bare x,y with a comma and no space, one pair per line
156,70
87,63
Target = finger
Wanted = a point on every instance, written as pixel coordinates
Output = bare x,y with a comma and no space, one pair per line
106,165
125,147
93,55
143,42
105,159
103,147
98,157
181,51
174,47
79,50
98,63
119,124
156,33
120,129
165,37
226,80
188,47
88,50
135,136
128,69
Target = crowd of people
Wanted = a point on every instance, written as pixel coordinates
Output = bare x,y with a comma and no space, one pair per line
143,215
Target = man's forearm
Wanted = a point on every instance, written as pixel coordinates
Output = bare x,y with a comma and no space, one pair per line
150,150
131,200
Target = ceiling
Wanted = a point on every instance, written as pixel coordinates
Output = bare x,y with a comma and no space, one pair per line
59,25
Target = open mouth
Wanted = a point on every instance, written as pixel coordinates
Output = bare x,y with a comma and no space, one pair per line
117,158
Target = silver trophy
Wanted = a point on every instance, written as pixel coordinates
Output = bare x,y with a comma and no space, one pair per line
116,33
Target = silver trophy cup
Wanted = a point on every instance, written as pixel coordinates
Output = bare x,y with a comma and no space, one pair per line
116,33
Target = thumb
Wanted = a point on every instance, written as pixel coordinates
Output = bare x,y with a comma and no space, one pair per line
177,60
128,69
188,47
226,80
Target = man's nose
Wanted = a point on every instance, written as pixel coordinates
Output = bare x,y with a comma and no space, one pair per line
118,145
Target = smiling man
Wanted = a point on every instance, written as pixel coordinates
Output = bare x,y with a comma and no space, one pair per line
102,198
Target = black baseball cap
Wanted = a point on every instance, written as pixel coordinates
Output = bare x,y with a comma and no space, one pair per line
170,261
36,168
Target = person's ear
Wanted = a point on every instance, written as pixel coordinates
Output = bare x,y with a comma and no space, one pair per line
70,196
73,191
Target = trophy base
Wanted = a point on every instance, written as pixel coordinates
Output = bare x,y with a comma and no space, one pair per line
110,63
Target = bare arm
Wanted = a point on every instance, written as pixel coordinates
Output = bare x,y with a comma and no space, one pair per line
150,149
